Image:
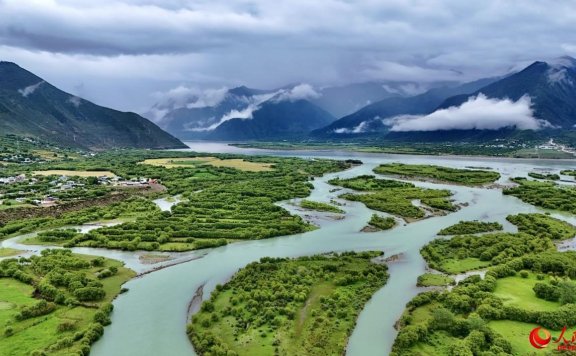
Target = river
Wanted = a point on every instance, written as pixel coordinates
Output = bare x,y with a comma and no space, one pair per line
151,318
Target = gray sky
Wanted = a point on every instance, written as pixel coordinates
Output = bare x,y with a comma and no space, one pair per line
122,53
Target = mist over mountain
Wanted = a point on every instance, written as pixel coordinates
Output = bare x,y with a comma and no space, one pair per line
369,118
191,113
540,96
273,120
243,113
30,106
550,87
346,99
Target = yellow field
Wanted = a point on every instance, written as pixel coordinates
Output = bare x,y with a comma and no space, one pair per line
213,161
59,172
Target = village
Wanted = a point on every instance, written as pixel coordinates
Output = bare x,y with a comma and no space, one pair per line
48,190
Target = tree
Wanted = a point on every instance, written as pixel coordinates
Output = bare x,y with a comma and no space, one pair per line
567,292
442,319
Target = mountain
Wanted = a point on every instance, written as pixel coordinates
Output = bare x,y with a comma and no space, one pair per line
343,100
550,85
276,118
368,119
29,106
191,120
346,99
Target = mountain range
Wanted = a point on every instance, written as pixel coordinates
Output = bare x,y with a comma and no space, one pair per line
541,96
30,106
369,118
248,114
550,85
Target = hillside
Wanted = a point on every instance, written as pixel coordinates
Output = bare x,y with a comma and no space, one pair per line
550,85
274,119
368,119
30,106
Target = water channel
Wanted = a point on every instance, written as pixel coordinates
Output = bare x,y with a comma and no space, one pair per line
151,318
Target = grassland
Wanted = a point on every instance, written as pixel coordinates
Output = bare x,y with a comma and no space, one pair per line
235,163
457,265
318,206
517,332
7,252
70,173
438,173
528,284
304,306
519,291
542,154
434,280
56,303
493,315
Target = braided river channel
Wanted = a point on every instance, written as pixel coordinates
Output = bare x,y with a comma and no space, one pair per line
151,318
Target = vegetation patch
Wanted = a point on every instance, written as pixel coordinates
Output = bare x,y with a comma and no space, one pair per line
439,173
382,222
304,306
6,251
235,163
70,173
128,209
58,302
467,252
220,204
318,206
471,227
493,315
545,176
543,226
395,197
519,291
548,195
434,280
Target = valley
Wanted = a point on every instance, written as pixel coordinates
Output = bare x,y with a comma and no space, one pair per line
126,230
303,178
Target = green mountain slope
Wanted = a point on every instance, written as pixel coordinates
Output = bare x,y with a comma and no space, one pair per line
29,106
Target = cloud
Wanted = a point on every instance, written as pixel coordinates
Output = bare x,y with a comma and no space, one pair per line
74,100
299,92
245,113
155,45
208,98
30,89
479,113
361,128
189,97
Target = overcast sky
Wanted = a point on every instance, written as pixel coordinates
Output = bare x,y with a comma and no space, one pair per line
121,52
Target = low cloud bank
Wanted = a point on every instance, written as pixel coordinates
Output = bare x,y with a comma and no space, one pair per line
479,113
74,100
30,89
244,113
361,128
190,97
299,92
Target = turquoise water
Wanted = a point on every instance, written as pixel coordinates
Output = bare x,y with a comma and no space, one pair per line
151,318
